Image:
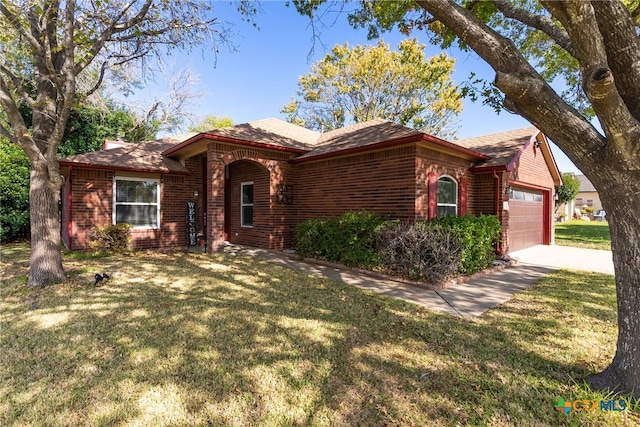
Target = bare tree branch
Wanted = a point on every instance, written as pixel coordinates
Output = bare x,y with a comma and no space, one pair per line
115,27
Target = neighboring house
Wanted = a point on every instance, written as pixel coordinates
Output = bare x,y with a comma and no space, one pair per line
587,195
253,183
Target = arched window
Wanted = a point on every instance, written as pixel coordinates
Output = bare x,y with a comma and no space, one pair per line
447,196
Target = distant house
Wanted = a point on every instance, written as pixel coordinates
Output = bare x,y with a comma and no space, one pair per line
587,195
253,183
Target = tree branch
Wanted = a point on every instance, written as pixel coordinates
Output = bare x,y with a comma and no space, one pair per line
20,134
15,22
539,22
113,28
597,78
17,84
623,50
534,99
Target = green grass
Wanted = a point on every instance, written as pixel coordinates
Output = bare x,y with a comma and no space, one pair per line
584,234
191,339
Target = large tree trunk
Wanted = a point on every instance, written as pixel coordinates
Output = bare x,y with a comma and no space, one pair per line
46,257
621,201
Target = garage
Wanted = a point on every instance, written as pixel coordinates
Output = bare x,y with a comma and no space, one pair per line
526,218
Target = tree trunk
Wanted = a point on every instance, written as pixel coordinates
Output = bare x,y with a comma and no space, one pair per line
621,201
46,257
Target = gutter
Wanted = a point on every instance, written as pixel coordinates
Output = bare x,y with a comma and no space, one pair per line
120,168
392,143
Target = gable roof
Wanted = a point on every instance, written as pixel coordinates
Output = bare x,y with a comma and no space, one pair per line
360,135
585,184
268,133
143,157
501,146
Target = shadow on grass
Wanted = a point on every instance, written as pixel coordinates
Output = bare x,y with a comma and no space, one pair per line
223,340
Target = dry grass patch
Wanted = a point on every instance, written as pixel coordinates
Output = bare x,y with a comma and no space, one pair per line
189,339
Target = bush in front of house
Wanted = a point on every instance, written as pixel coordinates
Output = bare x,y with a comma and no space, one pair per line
478,236
112,238
348,239
423,251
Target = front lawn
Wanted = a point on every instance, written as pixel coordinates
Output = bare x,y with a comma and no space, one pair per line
192,339
584,234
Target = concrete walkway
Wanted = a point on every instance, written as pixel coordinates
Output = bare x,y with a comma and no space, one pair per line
468,299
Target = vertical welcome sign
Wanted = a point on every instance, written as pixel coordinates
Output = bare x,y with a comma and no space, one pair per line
192,225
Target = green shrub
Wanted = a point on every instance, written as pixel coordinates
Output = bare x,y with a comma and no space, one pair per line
14,192
478,236
423,251
348,239
112,238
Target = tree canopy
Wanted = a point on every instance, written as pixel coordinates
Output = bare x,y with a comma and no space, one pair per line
568,190
360,83
211,122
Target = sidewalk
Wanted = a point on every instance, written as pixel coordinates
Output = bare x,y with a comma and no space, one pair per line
468,300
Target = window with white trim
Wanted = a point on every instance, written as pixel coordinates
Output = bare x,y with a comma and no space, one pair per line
447,196
136,201
246,204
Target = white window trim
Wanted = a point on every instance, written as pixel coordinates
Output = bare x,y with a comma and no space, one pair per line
131,178
242,204
457,187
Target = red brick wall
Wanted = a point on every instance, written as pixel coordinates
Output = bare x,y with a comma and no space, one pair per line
273,220
383,182
92,197
92,203
435,163
258,235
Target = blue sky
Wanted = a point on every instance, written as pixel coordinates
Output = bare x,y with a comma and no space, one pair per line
260,76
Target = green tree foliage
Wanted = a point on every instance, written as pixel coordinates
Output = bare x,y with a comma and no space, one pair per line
568,190
88,127
360,83
14,192
211,122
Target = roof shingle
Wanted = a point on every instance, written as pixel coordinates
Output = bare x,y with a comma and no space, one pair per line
146,156
501,146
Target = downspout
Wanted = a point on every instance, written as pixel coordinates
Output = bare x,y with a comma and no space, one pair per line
497,199
69,202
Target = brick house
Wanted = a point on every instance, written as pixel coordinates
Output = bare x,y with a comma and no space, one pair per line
253,183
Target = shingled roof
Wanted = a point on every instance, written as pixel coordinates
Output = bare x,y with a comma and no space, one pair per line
143,157
495,150
585,184
501,147
359,135
271,131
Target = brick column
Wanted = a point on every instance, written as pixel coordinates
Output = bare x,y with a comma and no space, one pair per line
215,202
433,195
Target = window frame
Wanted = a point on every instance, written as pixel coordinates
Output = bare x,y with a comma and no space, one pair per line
456,195
243,204
157,203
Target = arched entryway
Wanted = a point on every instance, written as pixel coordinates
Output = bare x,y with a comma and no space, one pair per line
247,217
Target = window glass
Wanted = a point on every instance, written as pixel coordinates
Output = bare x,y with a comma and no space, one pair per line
136,202
246,204
447,196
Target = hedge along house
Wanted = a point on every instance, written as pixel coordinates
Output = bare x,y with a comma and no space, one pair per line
253,183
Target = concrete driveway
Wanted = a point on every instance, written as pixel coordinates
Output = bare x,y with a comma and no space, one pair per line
566,257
